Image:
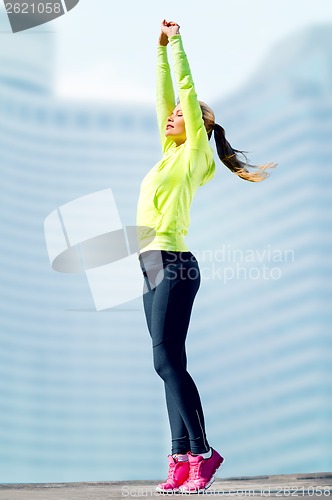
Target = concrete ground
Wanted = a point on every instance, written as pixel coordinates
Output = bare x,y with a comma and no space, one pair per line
277,486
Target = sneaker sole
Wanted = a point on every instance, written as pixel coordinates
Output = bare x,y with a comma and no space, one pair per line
202,490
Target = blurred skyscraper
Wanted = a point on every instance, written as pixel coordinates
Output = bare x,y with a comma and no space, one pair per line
78,391
75,385
270,327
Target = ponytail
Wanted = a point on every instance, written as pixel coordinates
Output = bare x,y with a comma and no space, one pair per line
229,157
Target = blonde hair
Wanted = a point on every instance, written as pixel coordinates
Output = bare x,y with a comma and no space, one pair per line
227,154
208,117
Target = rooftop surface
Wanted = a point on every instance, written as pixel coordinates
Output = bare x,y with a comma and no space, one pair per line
312,485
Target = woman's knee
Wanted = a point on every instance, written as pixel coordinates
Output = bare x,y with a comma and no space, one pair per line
166,365
162,369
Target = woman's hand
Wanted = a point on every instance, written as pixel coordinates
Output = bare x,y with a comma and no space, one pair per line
163,39
168,28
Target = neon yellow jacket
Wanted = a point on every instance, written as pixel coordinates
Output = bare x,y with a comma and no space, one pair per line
168,189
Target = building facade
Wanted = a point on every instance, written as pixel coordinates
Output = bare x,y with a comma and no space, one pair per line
78,390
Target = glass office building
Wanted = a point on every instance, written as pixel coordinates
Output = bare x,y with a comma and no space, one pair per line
77,388
270,325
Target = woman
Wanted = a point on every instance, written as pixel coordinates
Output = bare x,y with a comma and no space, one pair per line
171,272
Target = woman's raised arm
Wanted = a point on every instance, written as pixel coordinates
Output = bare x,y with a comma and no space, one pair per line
165,99
192,113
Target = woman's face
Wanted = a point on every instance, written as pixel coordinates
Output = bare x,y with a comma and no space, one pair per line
175,127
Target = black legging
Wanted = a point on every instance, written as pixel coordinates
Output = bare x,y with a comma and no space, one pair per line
171,281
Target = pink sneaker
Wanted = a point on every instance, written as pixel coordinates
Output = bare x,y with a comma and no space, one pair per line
178,473
201,474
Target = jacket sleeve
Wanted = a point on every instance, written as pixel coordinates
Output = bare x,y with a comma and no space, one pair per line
195,129
165,99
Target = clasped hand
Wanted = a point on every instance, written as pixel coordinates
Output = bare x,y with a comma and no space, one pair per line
168,28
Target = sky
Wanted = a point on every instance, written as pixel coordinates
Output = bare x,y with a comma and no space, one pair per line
107,50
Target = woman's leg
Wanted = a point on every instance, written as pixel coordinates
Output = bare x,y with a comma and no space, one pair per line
179,432
169,310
